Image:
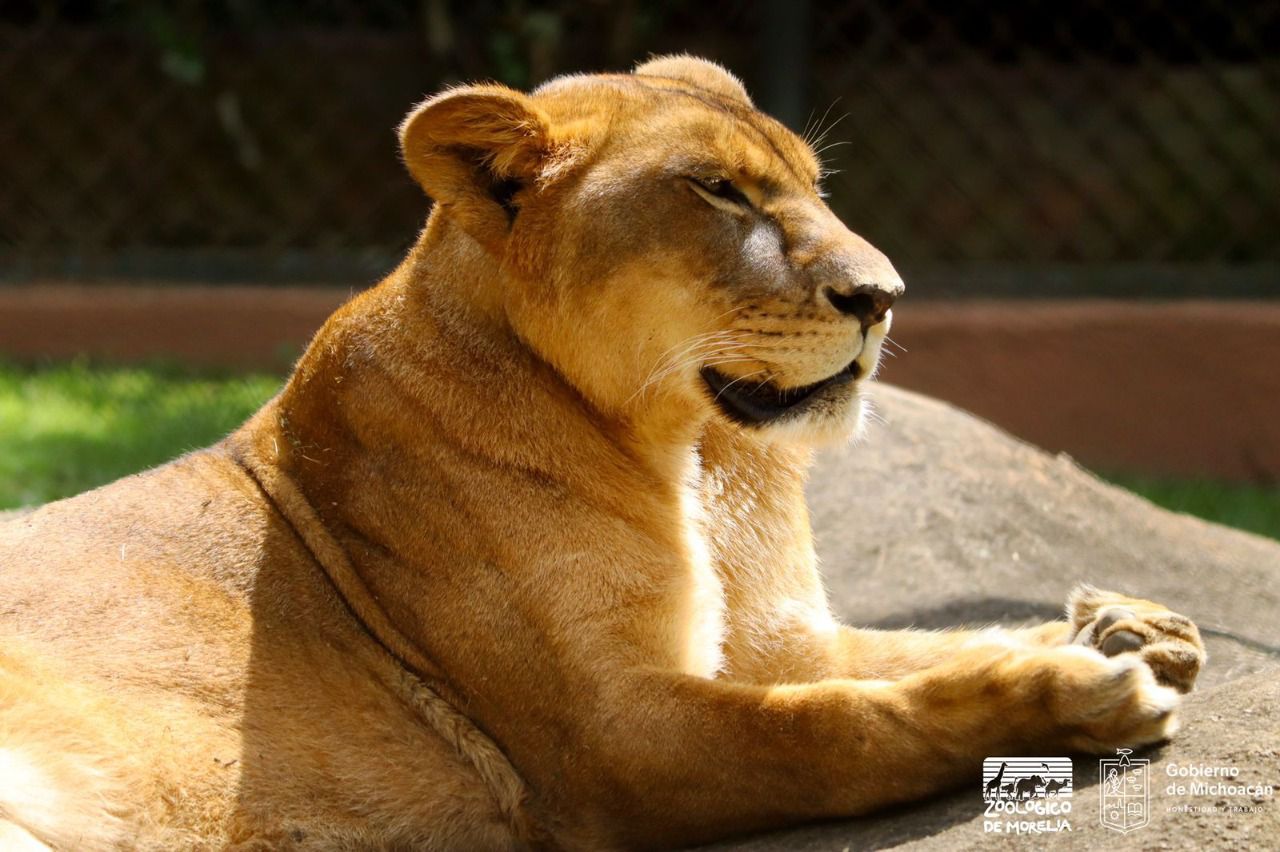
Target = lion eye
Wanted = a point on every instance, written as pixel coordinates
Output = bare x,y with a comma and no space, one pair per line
721,192
724,188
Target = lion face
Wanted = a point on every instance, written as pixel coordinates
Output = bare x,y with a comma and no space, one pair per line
666,247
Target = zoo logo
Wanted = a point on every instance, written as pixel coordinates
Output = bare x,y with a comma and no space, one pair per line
1123,801
1020,779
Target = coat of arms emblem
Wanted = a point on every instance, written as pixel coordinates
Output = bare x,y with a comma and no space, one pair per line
1124,791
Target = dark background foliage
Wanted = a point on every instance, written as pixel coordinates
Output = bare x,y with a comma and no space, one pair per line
988,147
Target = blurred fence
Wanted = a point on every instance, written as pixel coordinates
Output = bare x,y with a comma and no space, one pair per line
986,146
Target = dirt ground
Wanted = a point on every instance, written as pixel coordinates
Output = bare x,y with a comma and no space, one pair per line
1180,388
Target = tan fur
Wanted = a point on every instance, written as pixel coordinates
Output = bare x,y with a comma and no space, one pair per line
495,570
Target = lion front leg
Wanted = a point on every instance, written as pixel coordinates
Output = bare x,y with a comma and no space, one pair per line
1065,697
1114,624
678,759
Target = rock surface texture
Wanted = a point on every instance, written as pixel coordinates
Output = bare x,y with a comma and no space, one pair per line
937,519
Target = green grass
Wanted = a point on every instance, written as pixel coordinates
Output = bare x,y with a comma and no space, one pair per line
65,428
1249,507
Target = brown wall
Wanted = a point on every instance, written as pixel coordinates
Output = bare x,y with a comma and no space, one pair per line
1180,388
1185,388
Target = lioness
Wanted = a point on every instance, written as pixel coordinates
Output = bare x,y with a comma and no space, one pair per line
519,556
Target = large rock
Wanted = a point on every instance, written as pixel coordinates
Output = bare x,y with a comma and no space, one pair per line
937,519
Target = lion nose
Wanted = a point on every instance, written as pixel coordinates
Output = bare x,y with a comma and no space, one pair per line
869,303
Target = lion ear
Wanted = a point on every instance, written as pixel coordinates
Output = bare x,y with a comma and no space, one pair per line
700,72
473,149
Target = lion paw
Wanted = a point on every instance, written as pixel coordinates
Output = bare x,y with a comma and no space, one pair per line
1098,703
1128,628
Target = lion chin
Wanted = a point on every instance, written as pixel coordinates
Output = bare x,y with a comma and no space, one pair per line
822,413
831,410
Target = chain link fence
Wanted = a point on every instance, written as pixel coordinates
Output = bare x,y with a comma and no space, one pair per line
987,147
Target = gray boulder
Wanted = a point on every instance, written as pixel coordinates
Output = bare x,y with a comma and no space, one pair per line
937,519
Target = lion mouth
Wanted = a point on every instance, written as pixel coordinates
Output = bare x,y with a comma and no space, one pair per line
757,403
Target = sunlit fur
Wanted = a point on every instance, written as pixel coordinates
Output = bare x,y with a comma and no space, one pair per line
493,571
635,281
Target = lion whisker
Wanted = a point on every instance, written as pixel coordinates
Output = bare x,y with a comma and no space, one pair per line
680,356
831,145
811,134
738,379
816,144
